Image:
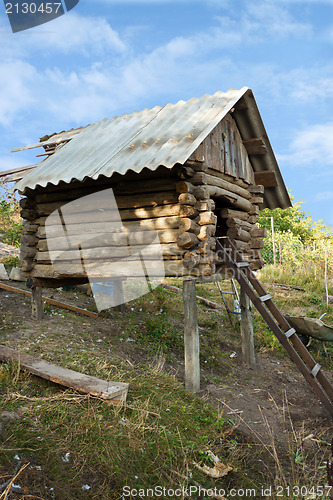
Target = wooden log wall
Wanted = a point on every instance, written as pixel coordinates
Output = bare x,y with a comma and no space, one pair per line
243,230
176,205
184,217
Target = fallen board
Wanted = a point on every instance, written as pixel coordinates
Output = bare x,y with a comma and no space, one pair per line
115,391
51,301
311,326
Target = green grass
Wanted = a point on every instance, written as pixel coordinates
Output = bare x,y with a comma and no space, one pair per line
303,275
77,440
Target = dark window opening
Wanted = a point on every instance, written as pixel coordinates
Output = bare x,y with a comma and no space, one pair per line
221,224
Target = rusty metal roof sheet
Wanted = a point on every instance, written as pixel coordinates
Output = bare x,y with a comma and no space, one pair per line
146,139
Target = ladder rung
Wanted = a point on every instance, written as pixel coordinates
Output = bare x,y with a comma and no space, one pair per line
290,332
242,264
315,369
263,298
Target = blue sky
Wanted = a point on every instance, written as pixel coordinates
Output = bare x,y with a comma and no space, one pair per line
108,57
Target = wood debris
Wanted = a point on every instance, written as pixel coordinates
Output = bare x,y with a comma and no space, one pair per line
216,472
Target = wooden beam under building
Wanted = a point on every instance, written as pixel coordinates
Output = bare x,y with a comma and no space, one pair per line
266,178
255,146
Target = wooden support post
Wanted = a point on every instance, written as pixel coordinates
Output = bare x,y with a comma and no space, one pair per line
247,329
37,307
191,337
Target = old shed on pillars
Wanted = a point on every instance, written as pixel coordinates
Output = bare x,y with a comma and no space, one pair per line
191,171
188,179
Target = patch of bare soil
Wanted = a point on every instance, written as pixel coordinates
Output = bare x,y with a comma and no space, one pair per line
267,402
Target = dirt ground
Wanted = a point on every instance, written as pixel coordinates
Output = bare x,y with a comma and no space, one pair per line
268,402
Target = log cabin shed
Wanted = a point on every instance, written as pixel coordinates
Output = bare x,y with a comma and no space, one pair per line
192,171
187,173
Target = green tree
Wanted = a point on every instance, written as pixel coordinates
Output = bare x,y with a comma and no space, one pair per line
295,221
10,220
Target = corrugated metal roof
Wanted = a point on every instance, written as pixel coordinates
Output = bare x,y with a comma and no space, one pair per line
147,139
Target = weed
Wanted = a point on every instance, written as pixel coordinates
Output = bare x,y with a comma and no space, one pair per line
10,261
158,333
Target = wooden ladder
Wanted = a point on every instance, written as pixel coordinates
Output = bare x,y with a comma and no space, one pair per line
277,322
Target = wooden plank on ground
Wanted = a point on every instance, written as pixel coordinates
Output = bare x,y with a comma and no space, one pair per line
53,302
81,382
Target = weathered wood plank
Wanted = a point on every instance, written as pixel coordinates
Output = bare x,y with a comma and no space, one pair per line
238,233
103,203
231,198
266,178
17,170
191,337
256,189
63,376
105,239
96,226
171,210
255,146
55,139
53,302
109,270
234,222
114,252
217,181
37,308
237,214
247,329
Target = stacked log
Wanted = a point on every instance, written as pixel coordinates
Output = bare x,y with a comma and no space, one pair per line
29,240
199,239
177,204
257,233
242,228
177,207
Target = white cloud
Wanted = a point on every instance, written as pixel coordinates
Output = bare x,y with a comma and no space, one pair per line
311,147
180,68
324,196
270,19
68,34
16,80
316,2
74,33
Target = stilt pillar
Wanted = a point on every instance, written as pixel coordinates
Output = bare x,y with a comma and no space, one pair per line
37,307
247,329
191,336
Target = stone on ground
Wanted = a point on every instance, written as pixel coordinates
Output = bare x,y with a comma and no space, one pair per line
3,272
15,275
